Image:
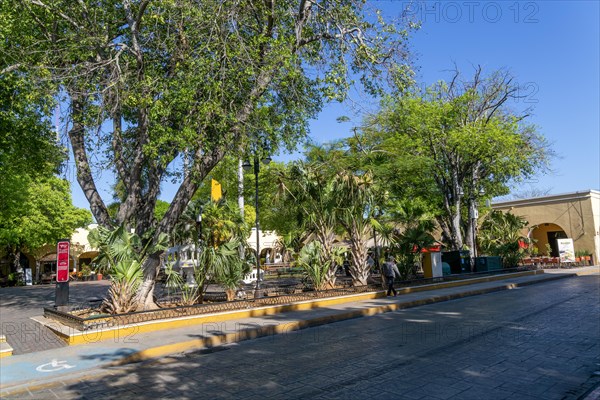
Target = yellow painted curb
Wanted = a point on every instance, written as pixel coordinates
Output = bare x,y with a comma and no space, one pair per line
6,349
6,353
589,272
73,336
253,333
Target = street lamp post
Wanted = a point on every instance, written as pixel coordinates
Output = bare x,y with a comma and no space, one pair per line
198,241
247,166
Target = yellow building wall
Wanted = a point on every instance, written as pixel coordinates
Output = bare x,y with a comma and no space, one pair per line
577,214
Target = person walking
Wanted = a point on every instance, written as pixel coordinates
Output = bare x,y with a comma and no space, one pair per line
390,271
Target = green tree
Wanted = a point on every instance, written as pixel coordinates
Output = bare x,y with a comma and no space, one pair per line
221,231
29,158
311,188
310,260
457,144
122,254
45,215
355,213
148,83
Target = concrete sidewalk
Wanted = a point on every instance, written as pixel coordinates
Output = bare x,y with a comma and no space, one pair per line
58,367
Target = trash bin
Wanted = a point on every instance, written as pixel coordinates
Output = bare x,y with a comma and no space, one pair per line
484,264
459,261
432,265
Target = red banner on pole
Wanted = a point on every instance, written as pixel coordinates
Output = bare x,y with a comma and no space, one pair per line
62,261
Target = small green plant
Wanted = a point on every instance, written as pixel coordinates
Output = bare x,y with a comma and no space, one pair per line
175,283
534,251
15,279
582,253
85,270
548,249
310,261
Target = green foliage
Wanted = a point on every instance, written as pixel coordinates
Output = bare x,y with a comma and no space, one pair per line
221,223
310,261
120,245
35,206
582,253
44,215
500,235
223,263
175,283
448,143
414,234
204,80
160,209
121,254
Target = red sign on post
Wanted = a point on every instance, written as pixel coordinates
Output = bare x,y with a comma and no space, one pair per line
62,261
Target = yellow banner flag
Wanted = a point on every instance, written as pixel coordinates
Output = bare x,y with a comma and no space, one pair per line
215,191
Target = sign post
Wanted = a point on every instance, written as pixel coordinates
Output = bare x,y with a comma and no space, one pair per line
62,273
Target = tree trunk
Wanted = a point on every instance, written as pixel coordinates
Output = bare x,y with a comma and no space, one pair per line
84,172
145,297
37,270
240,176
325,237
470,231
16,259
360,267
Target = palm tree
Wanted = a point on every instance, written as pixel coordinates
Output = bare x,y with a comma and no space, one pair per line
122,254
289,245
413,235
311,187
222,227
500,235
355,213
310,259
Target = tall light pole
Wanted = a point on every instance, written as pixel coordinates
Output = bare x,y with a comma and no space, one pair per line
266,159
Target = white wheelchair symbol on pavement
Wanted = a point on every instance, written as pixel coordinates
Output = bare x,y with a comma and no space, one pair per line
53,366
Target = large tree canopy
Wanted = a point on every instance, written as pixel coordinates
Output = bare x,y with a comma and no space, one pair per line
44,215
457,144
149,82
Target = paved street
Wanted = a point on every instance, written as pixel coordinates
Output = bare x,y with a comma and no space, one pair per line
19,304
537,342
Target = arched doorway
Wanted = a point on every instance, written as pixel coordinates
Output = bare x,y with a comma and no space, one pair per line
545,235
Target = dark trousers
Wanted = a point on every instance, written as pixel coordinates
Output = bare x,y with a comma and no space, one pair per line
390,283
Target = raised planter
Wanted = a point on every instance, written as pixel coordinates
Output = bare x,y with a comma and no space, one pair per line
101,321
85,325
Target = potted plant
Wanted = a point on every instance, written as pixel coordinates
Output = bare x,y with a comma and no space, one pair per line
584,256
85,272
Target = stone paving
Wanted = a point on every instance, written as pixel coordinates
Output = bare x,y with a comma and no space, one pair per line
19,304
536,342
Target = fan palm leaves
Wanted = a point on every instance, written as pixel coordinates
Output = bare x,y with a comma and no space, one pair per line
317,272
413,234
310,187
500,235
122,254
355,212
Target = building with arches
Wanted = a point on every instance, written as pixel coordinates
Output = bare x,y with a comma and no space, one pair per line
571,215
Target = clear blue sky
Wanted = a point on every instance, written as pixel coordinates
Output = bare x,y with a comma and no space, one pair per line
551,47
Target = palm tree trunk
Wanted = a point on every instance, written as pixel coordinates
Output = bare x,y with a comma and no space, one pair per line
360,267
